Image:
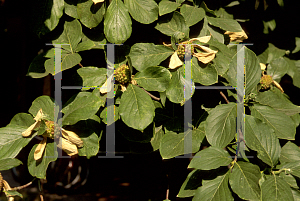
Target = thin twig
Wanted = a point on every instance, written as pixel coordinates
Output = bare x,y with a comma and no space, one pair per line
223,95
154,97
80,65
42,198
21,187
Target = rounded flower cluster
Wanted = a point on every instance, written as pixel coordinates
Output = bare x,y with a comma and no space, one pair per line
122,74
181,49
50,129
266,81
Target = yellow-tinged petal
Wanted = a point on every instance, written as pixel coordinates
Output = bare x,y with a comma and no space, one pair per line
72,137
68,147
103,88
30,129
123,88
39,115
278,86
207,56
97,1
175,61
203,39
38,153
106,87
237,36
262,66
6,186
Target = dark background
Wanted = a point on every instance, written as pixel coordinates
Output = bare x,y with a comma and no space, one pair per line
137,176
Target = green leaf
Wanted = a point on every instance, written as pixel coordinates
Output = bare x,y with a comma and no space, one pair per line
156,139
163,98
117,23
192,14
296,119
169,26
103,115
83,107
67,61
175,91
144,55
282,124
94,36
154,78
274,53
294,168
297,48
244,180
223,56
85,45
214,190
296,194
210,158
296,77
204,31
253,71
216,32
8,163
71,35
143,11
190,184
45,103
289,179
222,13
290,152
71,8
278,68
36,68
92,76
56,13
87,131
277,101
167,7
221,63
45,15
220,126
275,188
90,14
261,138
269,25
172,144
136,108
12,140
12,193
205,74
38,168
225,24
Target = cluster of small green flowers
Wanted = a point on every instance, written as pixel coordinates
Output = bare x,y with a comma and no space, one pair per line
122,74
266,81
181,49
50,129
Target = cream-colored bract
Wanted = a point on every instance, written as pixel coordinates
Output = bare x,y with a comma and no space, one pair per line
106,87
175,61
69,142
38,153
262,66
205,56
236,36
36,124
97,1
